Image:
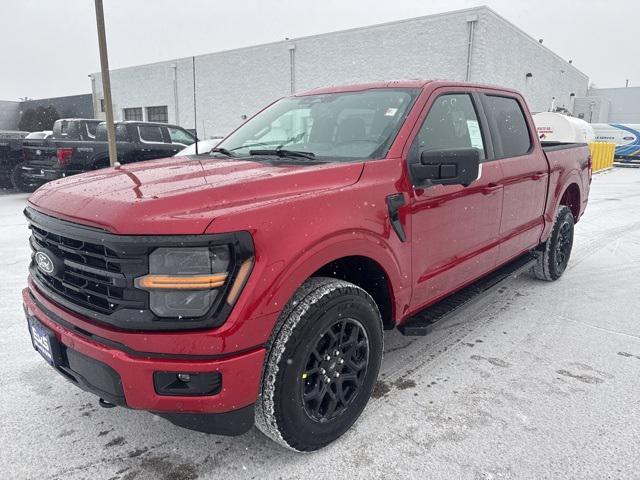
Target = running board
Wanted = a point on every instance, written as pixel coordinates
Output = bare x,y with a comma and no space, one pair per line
425,321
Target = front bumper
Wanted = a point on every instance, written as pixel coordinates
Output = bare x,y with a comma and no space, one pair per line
124,378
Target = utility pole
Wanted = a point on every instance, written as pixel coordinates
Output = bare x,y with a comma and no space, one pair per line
106,84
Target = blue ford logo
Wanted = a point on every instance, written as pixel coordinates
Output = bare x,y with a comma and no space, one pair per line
45,262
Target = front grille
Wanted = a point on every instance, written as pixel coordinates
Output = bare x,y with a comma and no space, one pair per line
94,272
93,276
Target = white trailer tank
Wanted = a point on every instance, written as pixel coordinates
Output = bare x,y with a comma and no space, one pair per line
556,127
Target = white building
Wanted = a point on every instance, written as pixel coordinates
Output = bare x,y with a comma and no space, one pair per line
474,44
609,105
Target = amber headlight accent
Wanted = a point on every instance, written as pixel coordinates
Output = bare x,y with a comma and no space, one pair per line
184,282
241,279
181,282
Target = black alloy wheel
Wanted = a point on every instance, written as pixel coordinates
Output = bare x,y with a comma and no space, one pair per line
335,370
563,247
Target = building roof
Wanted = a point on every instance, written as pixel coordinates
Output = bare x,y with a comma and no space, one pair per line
290,41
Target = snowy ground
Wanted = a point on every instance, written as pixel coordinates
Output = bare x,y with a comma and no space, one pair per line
540,381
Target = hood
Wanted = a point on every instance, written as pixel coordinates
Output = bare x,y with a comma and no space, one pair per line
182,195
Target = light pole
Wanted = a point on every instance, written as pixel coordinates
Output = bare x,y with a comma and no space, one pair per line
106,85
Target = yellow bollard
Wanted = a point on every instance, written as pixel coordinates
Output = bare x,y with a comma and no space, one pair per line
602,154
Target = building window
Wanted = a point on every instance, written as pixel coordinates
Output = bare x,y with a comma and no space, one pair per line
157,114
134,114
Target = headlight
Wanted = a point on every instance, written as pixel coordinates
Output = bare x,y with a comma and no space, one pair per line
186,281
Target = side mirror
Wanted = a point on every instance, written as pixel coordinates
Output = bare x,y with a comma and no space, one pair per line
451,166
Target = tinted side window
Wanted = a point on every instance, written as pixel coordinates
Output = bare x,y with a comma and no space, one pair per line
451,123
101,132
121,133
180,136
510,124
150,133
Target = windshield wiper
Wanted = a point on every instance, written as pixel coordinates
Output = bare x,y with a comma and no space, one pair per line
280,143
259,144
282,152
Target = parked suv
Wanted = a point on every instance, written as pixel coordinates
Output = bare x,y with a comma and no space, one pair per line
255,281
80,145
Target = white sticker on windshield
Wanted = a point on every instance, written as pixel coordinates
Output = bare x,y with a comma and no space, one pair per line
474,134
391,112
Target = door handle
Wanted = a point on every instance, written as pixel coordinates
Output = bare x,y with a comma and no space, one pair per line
490,188
538,175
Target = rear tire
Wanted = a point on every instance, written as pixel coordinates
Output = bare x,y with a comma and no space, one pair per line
322,364
5,179
557,249
17,180
100,164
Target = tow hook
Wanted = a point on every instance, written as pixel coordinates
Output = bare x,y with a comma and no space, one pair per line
104,404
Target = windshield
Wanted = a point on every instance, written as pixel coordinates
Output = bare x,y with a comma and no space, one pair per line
333,126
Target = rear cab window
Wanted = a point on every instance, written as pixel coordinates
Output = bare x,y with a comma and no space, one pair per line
91,129
510,132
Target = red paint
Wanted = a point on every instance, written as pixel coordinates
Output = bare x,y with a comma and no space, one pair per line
301,218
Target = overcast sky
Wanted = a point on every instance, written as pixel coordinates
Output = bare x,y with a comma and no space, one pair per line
48,47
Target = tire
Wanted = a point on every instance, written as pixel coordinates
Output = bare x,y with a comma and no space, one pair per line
18,181
99,164
322,313
5,178
557,249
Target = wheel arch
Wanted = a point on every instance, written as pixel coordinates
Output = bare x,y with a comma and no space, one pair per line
369,275
571,197
366,261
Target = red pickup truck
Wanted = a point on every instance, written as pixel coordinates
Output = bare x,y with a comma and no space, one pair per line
254,281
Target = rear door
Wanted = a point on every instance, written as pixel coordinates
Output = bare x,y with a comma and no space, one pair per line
454,228
525,170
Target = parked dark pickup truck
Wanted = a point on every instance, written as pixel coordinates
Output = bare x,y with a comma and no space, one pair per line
10,154
257,279
80,145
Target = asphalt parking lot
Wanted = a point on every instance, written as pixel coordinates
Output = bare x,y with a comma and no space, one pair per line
541,380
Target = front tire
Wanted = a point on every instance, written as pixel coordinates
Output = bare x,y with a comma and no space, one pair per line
321,366
557,249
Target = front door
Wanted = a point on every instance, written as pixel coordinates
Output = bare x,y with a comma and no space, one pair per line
454,228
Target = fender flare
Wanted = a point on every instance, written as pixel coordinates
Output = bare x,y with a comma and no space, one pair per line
564,182
359,243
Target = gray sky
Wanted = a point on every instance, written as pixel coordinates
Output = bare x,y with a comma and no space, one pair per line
50,46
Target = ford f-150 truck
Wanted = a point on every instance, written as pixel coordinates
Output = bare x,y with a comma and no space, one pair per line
254,282
80,145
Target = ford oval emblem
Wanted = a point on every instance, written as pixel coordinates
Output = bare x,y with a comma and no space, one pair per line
628,138
45,262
